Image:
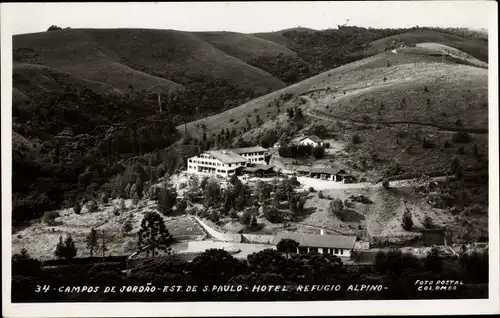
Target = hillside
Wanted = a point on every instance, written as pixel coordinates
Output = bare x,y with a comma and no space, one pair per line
244,46
366,78
141,58
473,46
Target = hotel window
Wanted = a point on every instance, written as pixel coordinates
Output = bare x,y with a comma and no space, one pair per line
341,252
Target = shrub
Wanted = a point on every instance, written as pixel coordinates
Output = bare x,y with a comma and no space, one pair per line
318,152
320,195
77,208
273,215
116,212
92,206
407,220
461,137
127,227
386,184
428,222
336,207
355,139
427,144
246,217
311,189
326,145
50,217
214,216
166,199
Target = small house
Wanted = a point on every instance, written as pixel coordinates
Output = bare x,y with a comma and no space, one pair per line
313,141
339,245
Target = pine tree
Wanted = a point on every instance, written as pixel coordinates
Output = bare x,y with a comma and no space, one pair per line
407,219
154,235
59,252
69,248
92,241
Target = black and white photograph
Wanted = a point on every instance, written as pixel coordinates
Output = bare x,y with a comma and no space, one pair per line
249,158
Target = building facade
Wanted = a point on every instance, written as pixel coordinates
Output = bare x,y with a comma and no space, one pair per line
313,141
225,162
339,245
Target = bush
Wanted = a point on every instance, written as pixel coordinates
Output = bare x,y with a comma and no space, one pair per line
320,195
311,189
461,137
50,217
273,215
318,152
127,227
336,207
92,206
246,218
326,145
427,144
407,220
386,184
77,208
355,139
428,222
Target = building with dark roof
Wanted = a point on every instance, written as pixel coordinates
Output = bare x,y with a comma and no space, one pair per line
339,245
325,173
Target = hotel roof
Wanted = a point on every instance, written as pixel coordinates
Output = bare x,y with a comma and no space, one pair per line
248,149
226,156
312,240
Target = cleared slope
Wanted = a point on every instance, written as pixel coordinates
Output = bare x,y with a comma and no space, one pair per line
415,68
244,46
477,48
31,78
76,52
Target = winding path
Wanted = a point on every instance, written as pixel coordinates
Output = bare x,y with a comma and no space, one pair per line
331,118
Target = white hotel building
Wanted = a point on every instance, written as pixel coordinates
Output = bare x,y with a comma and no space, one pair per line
225,162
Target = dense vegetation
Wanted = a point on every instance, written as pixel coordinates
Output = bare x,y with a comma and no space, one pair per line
76,144
397,271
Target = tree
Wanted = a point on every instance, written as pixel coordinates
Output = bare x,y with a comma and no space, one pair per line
50,217
212,193
166,199
92,241
153,235
59,252
407,219
355,139
318,152
428,222
253,222
139,188
287,246
246,217
214,266
69,248
386,184
54,28
336,207
272,214
77,208
127,227
433,261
